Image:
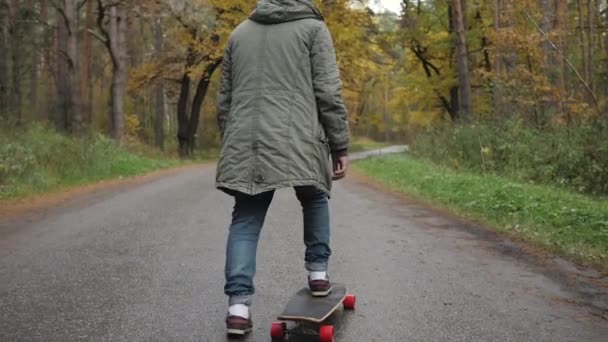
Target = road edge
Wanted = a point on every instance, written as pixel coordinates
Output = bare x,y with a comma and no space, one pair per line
589,284
42,202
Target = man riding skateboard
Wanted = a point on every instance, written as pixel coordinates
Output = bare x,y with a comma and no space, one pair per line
281,117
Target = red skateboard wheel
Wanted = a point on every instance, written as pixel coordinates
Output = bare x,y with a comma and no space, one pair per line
277,330
326,333
349,302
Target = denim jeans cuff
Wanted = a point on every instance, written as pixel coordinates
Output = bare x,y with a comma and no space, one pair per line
246,300
316,266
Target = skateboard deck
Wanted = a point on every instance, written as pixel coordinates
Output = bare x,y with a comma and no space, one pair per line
304,307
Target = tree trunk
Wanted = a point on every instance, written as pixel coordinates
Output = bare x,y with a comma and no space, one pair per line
136,57
62,82
454,102
16,48
87,83
463,9
547,26
487,64
197,103
4,48
511,56
590,41
37,33
182,116
605,37
48,66
600,12
68,73
464,80
182,105
118,52
561,26
159,91
549,60
71,14
386,118
498,55
497,28
115,39
581,24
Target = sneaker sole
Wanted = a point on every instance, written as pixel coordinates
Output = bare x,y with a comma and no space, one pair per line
321,293
240,332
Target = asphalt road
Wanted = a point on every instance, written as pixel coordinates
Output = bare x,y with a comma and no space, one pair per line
145,263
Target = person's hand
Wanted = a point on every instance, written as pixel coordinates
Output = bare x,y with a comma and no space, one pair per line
340,165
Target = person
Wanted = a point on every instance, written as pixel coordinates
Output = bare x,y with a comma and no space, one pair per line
283,124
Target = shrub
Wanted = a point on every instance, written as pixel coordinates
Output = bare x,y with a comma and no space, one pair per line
576,158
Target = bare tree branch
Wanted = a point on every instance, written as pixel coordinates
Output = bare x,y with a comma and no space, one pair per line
116,3
81,4
98,36
180,20
101,14
60,10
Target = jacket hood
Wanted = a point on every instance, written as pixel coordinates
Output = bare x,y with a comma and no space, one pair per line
281,11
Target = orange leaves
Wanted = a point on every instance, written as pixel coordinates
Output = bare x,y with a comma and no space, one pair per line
513,40
195,32
142,75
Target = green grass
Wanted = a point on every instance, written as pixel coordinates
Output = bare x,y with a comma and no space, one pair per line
574,158
572,225
359,144
36,159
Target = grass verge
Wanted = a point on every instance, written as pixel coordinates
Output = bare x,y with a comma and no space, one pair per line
36,159
571,225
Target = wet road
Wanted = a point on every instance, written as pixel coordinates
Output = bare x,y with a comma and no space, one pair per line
145,263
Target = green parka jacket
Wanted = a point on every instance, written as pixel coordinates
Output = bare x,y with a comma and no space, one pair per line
280,109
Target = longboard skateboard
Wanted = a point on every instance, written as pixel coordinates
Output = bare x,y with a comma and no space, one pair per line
304,308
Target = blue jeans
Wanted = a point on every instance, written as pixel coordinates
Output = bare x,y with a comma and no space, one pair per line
247,221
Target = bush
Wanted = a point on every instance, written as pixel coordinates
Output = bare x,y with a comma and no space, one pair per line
576,158
36,158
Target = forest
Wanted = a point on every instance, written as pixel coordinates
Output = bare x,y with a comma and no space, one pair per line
513,87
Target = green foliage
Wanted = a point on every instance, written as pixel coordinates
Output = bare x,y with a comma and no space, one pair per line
16,161
358,144
36,159
576,158
572,225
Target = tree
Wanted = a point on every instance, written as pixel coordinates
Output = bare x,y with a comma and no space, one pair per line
561,26
590,41
159,92
112,22
199,33
68,71
87,83
202,54
428,66
581,26
14,31
4,48
48,69
464,80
